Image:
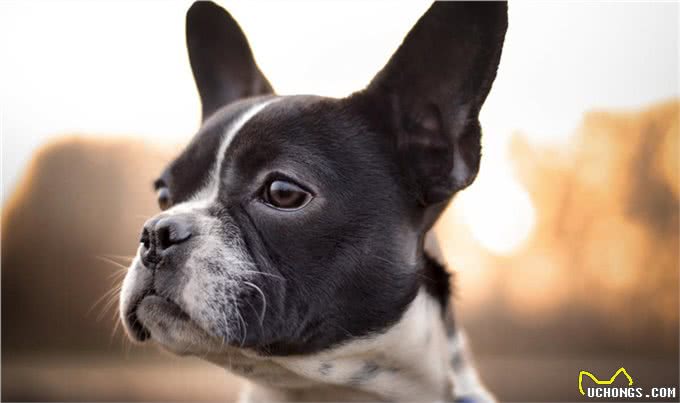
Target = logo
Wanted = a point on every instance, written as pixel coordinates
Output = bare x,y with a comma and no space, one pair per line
604,388
611,380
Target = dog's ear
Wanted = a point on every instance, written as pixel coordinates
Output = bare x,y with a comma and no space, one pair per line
221,60
429,94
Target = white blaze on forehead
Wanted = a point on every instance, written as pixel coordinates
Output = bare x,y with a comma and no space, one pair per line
210,191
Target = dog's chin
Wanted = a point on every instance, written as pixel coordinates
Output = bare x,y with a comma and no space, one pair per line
156,313
160,320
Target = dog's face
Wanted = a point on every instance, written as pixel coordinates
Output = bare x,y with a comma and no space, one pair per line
293,224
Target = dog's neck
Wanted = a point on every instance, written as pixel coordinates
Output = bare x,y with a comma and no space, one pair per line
411,354
414,354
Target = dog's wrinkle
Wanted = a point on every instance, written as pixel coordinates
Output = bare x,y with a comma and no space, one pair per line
368,371
325,368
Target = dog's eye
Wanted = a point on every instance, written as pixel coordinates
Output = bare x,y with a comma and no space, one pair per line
163,197
285,195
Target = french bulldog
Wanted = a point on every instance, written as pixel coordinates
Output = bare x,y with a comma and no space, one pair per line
293,247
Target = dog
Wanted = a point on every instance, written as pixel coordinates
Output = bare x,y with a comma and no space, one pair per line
293,247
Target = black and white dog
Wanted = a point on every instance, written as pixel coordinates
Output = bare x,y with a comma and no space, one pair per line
293,246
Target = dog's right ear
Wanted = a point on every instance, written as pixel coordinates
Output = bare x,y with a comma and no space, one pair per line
428,96
223,65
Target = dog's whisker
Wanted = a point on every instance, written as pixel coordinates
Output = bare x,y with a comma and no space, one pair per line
109,304
264,274
101,299
111,261
261,322
117,275
264,299
116,326
241,324
126,258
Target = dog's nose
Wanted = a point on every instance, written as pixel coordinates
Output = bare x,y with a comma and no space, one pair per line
160,234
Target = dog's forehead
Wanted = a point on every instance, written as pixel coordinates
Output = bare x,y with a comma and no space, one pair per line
303,133
302,121
247,135
190,170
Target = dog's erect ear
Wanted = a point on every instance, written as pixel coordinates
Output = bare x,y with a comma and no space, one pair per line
223,65
430,92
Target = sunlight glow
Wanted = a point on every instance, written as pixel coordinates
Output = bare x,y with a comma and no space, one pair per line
498,213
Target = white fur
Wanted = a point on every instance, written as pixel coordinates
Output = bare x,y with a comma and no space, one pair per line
408,361
135,282
464,376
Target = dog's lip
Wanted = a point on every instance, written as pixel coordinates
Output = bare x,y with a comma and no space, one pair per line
137,330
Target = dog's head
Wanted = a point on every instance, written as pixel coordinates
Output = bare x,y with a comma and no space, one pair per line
292,224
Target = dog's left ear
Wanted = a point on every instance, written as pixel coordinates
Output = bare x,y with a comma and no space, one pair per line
431,91
221,60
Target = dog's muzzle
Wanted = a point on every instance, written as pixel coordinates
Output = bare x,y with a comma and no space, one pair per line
163,240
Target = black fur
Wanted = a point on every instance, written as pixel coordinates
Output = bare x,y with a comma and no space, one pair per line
437,281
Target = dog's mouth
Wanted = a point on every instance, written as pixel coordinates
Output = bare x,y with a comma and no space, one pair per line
175,311
154,317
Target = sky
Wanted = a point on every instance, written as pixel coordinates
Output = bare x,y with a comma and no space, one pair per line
119,68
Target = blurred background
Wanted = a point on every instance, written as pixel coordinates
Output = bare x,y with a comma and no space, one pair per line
565,249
